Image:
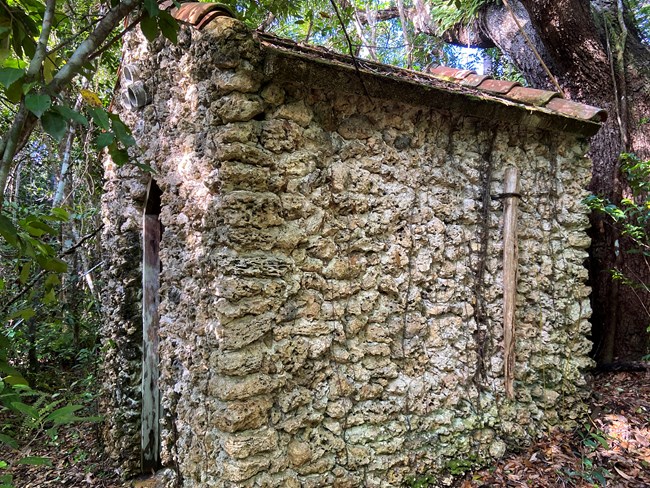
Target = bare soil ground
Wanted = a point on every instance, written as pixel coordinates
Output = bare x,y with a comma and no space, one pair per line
613,450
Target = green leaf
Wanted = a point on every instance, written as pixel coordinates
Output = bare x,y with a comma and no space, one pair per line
64,415
24,272
152,7
104,139
26,88
54,125
144,167
52,281
35,461
122,132
23,313
37,103
54,264
14,93
37,227
100,117
119,156
49,297
60,214
25,409
168,26
149,28
8,231
10,441
8,76
73,115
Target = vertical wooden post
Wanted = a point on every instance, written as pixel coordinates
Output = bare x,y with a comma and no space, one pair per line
150,433
510,202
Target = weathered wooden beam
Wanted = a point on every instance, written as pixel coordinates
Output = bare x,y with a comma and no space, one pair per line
150,434
510,202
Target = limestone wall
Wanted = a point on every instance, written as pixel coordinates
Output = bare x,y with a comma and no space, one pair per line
331,293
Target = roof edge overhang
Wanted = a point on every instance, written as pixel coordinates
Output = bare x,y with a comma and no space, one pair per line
295,67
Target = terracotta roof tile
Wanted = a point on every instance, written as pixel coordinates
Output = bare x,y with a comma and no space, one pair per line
473,80
200,14
577,110
510,90
530,96
500,87
451,74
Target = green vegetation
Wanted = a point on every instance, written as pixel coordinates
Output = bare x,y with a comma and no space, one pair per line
631,218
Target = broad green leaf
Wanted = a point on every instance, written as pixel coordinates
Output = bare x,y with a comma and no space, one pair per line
25,409
37,227
54,264
73,115
49,297
152,7
15,379
60,214
49,68
8,231
104,139
119,156
37,103
24,272
144,167
52,281
63,414
27,87
35,461
149,28
8,76
10,441
23,313
122,132
100,117
54,125
15,63
168,26
14,93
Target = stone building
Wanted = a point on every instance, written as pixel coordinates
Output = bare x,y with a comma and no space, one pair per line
324,272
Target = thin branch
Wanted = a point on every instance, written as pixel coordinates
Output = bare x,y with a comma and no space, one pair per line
532,47
359,29
405,34
41,46
116,38
355,62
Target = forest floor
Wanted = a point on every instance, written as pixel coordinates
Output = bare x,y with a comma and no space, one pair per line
612,449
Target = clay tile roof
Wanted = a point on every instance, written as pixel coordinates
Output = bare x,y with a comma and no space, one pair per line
511,90
199,14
